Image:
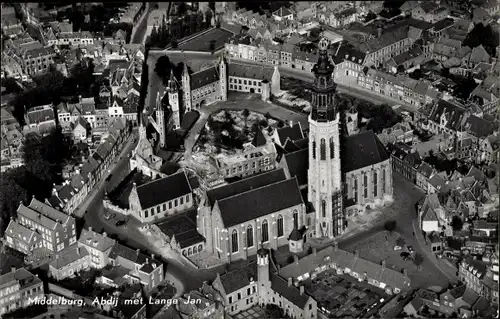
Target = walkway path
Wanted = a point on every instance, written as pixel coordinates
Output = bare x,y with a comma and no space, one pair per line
447,269
140,27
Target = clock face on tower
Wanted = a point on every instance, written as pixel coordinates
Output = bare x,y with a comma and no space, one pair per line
323,44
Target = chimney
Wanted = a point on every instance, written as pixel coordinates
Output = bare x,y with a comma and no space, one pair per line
13,269
78,251
356,253
57,256
152,256
147,260
296,259
290,123
314,251
137,251
405,272
90,228
279,268
335,246
79,99
290,282
104,234
383,263
301,290
379,32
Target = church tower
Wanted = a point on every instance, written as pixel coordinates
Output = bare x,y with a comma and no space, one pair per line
142,128
223,78
160,121
324,174
173,100
264,283
186,88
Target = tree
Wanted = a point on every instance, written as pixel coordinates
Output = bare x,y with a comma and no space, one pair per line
390,226
246,114
11,194
370,16
275,312
457,223
163,67
464,88
418,260
416,75
483,35
34,159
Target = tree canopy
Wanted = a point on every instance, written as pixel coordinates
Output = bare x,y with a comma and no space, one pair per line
483,35
163,67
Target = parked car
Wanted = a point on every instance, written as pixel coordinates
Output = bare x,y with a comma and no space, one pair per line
396,248
120,223
410,249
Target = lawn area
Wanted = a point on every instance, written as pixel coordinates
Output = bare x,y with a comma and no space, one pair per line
202,43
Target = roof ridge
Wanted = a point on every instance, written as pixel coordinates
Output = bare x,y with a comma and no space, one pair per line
254,189
159,179
248,178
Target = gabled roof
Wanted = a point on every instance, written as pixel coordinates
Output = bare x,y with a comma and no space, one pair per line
298,164
293,133
362,150
259,139
290,293
204,77
68,256
479,127
100,242
259,202
163,190
239,278
282,12
251,72
48,211
19,232
244,185
454,113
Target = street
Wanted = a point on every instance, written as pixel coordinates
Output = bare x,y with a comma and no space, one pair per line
139,29
403,212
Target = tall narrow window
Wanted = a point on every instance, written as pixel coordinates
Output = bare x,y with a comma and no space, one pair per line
323,149
365,185
280,226
217,238
332,148
249,236
265,231
375,184
323,208
383,180
314,149
295,219
356,190
234,241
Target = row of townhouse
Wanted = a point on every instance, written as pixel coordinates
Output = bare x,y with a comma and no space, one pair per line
71,193
17,287
33,58
40,227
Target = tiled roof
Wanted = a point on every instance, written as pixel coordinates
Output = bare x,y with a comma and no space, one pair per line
244,185
293,133
349,260
239,278
364,149
127,253
298,163
259,202
18,231
68,256
259,139
163,190
458,291
21,276
204,77
48,211
290,293
429,6
479,127
183,228
40,115
282,12
455,114
425,169
443,24
97,241
251,72
470,296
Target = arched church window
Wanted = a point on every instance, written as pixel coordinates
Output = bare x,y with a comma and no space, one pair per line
375,183
332,148
323,208
250,236
280,226
234,241
323,149
265,231
314,149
